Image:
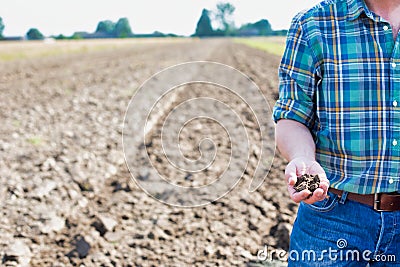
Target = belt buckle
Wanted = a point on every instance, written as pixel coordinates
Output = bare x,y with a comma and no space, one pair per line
377,201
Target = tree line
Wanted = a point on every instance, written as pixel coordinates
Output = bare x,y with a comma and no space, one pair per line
105,29
222,17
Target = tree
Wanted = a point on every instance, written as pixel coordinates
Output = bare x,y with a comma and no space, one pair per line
34,34
61,37
106,27
76,36
204,27
260,28
224,15
122,28
264,27
1,28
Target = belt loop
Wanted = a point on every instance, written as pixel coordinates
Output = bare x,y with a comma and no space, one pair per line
343,197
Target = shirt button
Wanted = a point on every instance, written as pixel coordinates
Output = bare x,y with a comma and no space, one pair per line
385,28
391,181
394,142
395,103
394,65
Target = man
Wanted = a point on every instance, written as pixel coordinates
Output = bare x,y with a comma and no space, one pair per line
338,115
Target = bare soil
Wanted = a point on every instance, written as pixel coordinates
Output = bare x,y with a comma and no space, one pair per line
66,196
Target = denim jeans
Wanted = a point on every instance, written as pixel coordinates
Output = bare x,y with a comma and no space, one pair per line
341,232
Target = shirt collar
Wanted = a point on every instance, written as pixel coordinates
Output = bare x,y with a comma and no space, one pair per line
355,8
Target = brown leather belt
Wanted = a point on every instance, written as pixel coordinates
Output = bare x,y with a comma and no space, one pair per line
380,202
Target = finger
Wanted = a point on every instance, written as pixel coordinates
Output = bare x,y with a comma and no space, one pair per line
290,171
324,182
324,185
299,196
318,195
302,169
291,190
292,180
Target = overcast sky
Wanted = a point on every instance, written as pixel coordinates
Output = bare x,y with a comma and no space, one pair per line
52,17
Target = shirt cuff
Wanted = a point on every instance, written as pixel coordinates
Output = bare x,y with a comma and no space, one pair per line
291,109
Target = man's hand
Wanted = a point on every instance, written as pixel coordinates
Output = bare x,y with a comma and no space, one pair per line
297,145
302,165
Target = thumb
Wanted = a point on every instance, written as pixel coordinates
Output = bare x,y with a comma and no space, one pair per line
291,173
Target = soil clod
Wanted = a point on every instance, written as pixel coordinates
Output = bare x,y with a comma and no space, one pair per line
307,181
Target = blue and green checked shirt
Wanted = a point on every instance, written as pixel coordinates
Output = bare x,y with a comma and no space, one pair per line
340,76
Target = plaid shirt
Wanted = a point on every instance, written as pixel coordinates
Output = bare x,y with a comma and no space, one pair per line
340,76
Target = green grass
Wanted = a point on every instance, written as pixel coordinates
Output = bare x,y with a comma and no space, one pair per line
12,56
35,140
14,50
54,51
272,46
16,123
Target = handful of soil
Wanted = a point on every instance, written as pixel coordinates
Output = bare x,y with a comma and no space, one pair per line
307,181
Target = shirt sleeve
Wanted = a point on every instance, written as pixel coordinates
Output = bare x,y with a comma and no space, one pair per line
297,79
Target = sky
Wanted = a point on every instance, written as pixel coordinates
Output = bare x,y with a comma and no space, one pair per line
53,17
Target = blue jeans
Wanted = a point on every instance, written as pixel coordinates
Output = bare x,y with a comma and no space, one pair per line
341,232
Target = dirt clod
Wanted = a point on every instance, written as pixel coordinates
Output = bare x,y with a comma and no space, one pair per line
307,181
